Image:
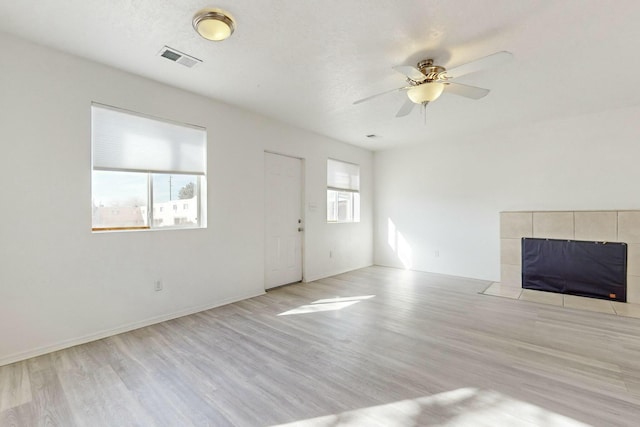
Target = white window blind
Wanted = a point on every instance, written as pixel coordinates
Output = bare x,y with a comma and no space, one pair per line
126,141
343,176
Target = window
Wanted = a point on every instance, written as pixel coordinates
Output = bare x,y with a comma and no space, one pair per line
343,191
141,167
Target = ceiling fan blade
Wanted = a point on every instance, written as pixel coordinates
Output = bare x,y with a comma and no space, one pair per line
467,91
412,72
380,94
406,108
480,64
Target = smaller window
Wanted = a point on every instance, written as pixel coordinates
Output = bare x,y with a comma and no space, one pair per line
343,191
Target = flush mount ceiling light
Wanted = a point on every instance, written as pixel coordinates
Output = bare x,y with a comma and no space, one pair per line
213,24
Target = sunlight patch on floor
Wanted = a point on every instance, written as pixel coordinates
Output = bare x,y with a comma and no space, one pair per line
341,299
327,304
461,407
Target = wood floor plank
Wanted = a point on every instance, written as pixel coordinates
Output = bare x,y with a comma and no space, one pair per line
49,406
19,416
400,347
15,387
99,398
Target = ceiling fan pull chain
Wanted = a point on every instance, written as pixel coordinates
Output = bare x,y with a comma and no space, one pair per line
424,112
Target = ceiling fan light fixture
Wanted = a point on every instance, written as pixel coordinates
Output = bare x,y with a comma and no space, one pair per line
213,24
425,92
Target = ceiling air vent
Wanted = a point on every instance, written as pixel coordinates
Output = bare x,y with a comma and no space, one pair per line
179,57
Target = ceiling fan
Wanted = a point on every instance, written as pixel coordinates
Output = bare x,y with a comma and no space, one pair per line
427,81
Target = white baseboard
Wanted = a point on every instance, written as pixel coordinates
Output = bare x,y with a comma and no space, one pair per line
17,357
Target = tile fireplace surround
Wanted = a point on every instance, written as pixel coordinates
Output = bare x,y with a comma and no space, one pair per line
599,226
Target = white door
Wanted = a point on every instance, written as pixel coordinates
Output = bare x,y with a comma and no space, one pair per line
283,220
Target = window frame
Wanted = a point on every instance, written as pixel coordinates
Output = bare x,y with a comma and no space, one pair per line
199,178
355,211
150,219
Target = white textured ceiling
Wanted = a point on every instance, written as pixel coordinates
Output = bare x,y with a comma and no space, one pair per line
304,62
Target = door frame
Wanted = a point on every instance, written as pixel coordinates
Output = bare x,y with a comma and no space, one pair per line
303,199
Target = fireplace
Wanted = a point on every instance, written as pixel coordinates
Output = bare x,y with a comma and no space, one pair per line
584,268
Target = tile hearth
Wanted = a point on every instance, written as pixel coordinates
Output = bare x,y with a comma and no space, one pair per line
563,300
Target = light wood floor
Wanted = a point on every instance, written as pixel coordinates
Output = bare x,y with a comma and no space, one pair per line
425,350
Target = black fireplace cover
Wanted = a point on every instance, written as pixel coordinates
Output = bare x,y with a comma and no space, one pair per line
590,269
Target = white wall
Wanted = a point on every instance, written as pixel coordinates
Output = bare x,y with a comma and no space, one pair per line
60,284
445,196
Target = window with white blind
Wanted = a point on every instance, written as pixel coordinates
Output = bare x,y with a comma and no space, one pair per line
147,173
343,191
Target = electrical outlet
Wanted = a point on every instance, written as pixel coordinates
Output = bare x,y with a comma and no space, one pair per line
436,254
157,285
330,254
